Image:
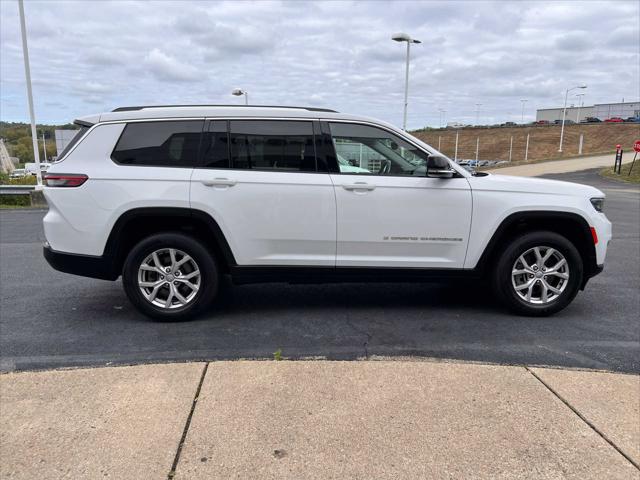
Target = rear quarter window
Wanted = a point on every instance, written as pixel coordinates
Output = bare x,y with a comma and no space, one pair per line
76,138
161,144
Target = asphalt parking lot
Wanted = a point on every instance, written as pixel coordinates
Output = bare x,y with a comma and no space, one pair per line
50,319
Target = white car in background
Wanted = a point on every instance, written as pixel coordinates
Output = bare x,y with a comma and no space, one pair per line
32,168
171,198
18,173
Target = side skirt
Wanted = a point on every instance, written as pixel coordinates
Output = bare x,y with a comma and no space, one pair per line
242,275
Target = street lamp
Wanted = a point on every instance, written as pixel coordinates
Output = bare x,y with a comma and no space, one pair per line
27,74
478,105
522,118
580,104
238,92
403,37
564,112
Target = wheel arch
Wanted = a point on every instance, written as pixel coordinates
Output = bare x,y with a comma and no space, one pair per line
572,226
138,223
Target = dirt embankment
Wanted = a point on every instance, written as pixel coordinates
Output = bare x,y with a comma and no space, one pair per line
543,140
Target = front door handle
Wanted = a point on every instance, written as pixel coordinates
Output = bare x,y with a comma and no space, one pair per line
219,182
358,186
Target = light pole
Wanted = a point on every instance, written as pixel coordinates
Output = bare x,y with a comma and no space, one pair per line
442,117
478,105
580,103
564,113
403,37
44,147
238,92
522,117
27,73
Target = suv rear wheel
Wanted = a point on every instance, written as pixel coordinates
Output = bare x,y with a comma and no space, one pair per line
170,277
538,274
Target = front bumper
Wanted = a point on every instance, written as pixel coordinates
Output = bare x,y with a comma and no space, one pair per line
83,265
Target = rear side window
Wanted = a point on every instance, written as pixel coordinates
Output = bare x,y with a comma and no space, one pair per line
272,145
215,145
162,144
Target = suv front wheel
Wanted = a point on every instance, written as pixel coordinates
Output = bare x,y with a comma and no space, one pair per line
538,274
170,277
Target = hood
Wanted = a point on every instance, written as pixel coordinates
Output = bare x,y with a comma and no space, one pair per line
507,183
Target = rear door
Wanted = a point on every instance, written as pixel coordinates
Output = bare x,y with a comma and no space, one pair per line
261,181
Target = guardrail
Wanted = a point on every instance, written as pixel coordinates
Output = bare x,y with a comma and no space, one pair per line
16,189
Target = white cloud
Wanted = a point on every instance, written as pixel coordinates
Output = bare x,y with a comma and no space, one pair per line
168,68
99,55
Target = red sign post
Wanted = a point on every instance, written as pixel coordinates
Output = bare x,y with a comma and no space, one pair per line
636,148
617,164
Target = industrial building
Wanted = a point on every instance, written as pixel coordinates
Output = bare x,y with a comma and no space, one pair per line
599,110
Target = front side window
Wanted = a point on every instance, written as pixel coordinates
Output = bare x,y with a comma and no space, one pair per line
272,145
363,150
162,144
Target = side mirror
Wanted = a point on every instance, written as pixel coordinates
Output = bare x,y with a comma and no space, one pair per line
438,167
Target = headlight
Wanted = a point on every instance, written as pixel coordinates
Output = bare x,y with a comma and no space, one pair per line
598,203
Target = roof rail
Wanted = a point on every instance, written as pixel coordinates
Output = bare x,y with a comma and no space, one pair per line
311,109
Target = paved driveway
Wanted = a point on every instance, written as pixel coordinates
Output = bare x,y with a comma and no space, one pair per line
50,319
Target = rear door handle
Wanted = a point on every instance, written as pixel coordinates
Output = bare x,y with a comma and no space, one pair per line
219,182
358,186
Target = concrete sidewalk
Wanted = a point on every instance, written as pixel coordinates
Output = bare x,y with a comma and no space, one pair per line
561,166
319,419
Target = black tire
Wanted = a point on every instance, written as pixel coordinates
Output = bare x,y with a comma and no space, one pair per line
209,277
502,276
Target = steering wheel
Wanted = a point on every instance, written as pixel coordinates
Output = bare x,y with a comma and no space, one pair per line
385,168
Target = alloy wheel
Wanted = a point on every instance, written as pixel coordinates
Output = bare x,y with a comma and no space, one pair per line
169,278
540,275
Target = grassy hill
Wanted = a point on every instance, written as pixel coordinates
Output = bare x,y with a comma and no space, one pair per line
17,137
599,138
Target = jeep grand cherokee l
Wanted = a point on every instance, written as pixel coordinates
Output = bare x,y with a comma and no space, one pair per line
171,198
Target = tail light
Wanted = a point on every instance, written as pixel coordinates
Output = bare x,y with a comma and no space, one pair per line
594,235
64,179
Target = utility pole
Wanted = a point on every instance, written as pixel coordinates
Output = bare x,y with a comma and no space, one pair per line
27,73
580,105
478,105
522,117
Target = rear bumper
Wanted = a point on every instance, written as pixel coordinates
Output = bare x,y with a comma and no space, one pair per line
83,265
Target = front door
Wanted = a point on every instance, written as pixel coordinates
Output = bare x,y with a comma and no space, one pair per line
389,213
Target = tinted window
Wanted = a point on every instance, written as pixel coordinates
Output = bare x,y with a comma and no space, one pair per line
166,144
215,145
272,145
363,150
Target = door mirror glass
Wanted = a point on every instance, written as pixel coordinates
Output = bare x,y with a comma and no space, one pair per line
438,167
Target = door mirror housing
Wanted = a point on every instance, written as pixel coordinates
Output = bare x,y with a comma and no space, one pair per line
438,167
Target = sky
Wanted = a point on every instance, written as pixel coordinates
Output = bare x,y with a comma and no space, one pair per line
92,56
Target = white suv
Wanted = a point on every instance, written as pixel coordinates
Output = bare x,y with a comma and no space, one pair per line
171,198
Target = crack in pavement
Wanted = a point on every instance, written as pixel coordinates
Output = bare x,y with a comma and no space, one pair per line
583,418
187,424
361,332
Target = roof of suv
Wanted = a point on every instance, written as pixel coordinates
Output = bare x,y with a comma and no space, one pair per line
199,111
